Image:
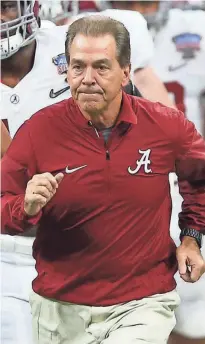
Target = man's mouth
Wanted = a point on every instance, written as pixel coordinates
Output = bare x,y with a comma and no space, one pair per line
90,92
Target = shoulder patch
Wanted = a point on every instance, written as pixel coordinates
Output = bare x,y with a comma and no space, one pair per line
61,63
188,44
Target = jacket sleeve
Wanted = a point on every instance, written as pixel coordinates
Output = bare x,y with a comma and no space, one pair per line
17,168
190,169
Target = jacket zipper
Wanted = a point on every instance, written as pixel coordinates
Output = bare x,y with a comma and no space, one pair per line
91,125
107,153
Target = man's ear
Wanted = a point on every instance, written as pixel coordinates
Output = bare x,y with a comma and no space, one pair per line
126,75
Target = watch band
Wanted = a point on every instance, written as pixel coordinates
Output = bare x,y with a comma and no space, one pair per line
192,233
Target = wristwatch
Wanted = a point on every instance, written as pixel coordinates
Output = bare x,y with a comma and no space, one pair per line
192,233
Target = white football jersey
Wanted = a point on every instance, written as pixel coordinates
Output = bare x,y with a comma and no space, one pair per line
44,85
141,41
179,59
47,24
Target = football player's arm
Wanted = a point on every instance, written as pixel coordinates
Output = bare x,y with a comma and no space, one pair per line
5,139
190,169
17,167
143,75
151,87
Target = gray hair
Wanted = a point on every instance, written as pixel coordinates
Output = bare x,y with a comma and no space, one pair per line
96,26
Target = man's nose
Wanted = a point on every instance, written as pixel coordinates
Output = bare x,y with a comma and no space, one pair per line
89,77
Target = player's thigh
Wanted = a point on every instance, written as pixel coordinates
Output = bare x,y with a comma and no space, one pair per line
16,321
17,274
150,320
190,318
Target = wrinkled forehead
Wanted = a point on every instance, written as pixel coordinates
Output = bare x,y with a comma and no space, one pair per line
88,47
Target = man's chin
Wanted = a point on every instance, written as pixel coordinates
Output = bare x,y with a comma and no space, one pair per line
91,107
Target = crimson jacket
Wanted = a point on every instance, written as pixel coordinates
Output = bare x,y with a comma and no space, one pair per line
104,237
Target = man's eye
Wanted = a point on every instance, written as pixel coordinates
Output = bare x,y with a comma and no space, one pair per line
103,68
77,67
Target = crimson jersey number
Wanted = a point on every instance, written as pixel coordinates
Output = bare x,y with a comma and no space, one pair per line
178,91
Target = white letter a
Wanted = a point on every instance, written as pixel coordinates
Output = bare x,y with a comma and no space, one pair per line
144,161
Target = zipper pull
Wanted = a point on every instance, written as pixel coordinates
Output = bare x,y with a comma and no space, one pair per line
96,132
107,155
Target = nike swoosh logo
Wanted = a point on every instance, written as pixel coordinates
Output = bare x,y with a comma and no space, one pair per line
67,170
173,68
53,94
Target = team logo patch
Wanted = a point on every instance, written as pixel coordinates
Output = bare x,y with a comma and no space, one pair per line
61,63
143,163
187,44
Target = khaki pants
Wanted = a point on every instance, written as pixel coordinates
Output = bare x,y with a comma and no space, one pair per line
149,320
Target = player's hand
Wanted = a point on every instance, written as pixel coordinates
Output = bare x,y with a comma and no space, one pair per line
40,189
190,261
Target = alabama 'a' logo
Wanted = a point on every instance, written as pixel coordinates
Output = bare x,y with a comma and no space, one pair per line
143,163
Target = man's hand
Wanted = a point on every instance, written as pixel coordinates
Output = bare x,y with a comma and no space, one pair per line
190,261
40,189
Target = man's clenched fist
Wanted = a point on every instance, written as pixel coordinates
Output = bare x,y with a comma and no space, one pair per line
40,189
190,261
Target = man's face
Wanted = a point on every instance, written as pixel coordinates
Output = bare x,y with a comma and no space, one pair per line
9,11
94,74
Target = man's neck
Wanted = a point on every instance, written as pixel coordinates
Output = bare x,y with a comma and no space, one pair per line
16,67
108,117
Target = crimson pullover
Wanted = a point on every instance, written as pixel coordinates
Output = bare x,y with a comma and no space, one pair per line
104,237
